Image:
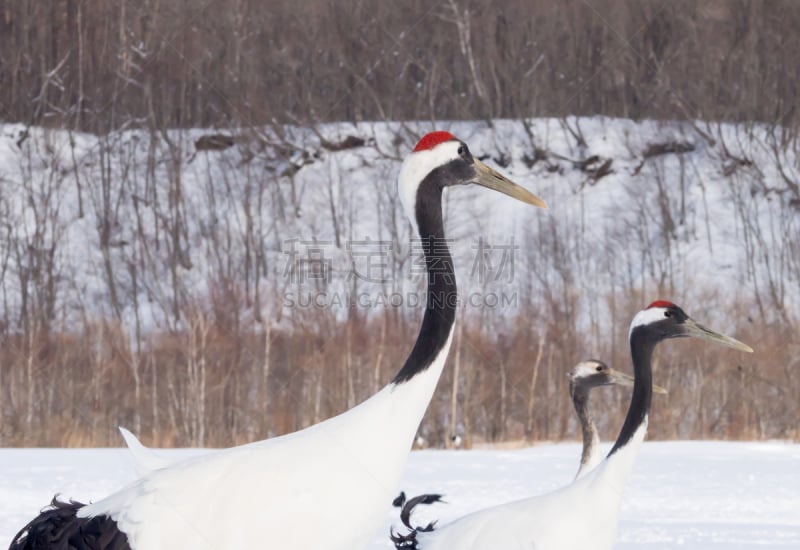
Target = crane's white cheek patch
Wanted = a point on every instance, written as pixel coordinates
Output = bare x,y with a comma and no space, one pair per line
418,165
646,317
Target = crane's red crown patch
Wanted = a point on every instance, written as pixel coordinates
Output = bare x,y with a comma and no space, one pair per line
661,303
432,139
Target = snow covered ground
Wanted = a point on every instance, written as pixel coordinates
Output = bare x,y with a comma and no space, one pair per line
692,495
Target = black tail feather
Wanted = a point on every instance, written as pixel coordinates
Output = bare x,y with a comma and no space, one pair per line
409,540
58,527
399,500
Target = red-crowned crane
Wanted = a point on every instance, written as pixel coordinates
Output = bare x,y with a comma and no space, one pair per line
327,486
583,378
585,513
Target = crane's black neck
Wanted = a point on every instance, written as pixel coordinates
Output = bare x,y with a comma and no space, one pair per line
643,342
580,400
441,301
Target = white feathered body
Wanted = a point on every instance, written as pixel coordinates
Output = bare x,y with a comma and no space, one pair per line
326,487
144,459
580,516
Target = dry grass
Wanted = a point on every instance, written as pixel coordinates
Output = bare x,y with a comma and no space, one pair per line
83,387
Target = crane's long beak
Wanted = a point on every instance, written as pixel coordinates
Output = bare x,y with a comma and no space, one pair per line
492,179
696,330
622,379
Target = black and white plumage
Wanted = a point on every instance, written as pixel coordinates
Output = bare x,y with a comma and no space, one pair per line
329,485
585,513
583,378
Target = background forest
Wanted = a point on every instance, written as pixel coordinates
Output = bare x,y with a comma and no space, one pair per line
190,190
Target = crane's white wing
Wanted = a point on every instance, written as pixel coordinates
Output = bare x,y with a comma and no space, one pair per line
145,460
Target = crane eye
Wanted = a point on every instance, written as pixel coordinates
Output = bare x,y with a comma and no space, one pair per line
461,151
599,368
668,313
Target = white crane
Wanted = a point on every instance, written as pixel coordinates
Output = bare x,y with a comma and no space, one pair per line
583,378
327,486
583,514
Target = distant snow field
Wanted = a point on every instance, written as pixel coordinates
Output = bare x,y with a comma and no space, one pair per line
719,215
692,495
